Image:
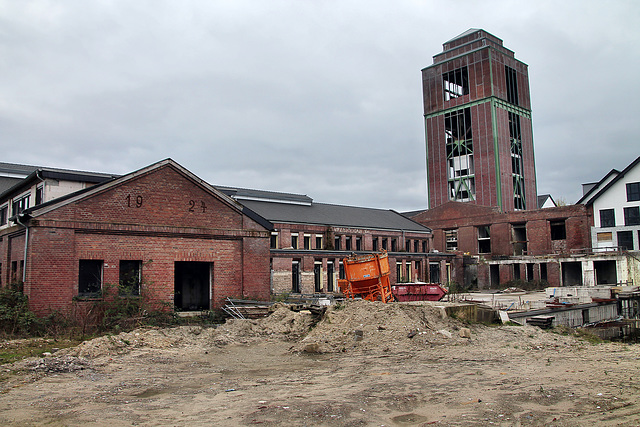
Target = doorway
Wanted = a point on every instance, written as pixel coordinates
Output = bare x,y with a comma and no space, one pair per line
192,289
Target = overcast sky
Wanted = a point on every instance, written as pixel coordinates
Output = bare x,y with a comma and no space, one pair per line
322,98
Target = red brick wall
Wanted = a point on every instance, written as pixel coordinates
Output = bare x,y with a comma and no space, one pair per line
174,220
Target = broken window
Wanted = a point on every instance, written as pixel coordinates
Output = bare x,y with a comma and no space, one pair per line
20,204
607,218
459,145
451,240
633,191
519,239
512,85
517,169
632,216
558,229
456,83
90,277
625,240
484,239
129,283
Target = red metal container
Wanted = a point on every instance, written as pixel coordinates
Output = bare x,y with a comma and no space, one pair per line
418,292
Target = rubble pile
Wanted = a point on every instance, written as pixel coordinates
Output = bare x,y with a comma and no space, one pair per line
50,365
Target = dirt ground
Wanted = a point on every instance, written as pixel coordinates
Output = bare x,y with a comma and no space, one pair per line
362,364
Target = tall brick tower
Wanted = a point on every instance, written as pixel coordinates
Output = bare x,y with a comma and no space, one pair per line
477,114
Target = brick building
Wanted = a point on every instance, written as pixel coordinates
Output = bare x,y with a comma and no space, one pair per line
160,231
477,113
310,240
532,245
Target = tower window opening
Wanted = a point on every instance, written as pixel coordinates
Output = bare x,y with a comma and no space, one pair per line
512,85
517,170
459,146
456,83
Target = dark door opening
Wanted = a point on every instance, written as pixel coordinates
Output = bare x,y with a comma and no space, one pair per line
571,273
317,278
192,285
295,276
494,272
605,272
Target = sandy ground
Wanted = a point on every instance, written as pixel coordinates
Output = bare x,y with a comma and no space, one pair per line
363,364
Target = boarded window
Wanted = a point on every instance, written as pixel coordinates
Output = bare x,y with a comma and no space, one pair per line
604,237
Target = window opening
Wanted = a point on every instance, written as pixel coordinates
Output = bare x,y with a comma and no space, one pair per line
90,277
4,214
307,241
319,242
330,276
317,277
295,276
358,243
494,272
375,243
516,271
20,204
517,169
633,191
336,243
607,218
484,239
558,229
347,243
451,240
394,245
294,240
456,83
384,244
519,239
512,85
425,247
407,245
459,146
625,240
434,272
416,246
341,274
130,277
39,194
273,243
632,216
529,272
543,271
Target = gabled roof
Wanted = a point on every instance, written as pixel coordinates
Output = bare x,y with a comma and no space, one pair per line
542,199
40,173
599,189
334,215
597,186
105,185
466,33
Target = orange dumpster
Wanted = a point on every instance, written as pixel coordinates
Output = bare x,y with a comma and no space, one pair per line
367,277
